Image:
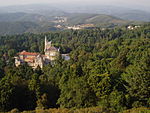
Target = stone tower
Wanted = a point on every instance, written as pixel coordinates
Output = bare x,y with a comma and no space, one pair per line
51,52
47,44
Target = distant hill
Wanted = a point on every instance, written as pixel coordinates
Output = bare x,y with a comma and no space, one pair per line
16,23
72,18
48,10
9,28
120,12
64,9
13,17
97,19
44,18
135,15
16,27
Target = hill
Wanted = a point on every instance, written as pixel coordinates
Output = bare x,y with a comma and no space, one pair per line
20,16
16,27
63,9
34,9
15,23
120,12
96,19
45,18
135,15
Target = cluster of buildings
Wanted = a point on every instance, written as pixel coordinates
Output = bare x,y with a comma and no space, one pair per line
82,26
133,27
60,19
75,27
36,59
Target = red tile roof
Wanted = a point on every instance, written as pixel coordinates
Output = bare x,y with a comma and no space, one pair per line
30,58
28,53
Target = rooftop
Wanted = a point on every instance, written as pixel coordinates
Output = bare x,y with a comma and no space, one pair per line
28,53
52,49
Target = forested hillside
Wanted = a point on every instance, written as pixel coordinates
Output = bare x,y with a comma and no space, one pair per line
96,19
132,13
19,23
109,70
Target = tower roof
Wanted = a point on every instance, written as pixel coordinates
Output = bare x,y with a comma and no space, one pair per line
52,49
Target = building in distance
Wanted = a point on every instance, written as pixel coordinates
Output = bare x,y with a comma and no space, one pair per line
36,59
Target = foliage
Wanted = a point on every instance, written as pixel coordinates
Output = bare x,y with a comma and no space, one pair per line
108,68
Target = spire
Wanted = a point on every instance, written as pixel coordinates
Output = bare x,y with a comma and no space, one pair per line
45,43
59,49
50,43
45,39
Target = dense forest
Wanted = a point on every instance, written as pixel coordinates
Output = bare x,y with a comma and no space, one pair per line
108,68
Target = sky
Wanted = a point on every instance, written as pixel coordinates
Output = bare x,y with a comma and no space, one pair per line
131,3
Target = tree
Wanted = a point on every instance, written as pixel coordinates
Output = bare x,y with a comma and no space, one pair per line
117,100
101,84
42,102
6,92
75,92
137,78
34,85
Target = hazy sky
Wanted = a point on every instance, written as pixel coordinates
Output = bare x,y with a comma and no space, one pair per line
133,3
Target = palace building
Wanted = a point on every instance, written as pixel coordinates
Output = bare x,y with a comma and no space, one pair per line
36,59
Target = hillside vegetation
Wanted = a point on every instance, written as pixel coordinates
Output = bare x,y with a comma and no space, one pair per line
109,71
21,17
83,110
19,23
97,19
